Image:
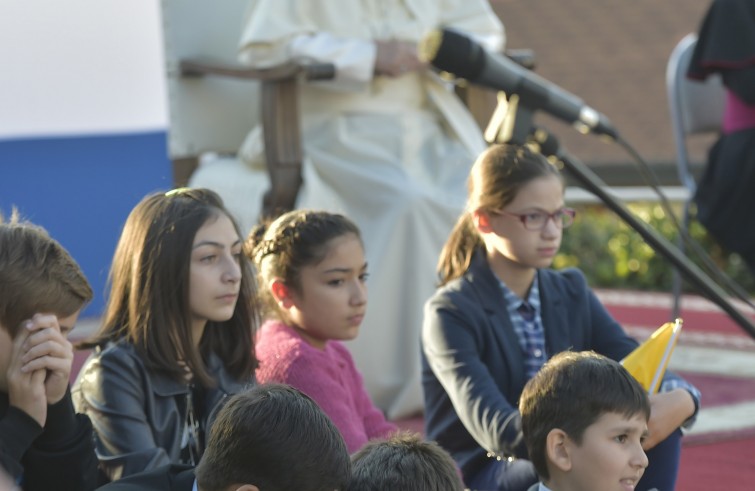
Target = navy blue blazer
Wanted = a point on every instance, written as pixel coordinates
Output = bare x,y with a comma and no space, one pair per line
473,365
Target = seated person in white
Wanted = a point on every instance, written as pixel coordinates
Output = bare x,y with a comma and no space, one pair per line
386,143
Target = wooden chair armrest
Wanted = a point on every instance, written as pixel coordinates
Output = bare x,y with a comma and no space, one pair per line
310,71
279,114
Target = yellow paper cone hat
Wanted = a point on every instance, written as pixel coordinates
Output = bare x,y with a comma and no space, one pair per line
647,363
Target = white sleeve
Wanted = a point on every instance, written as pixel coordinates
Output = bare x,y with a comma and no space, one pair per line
354,59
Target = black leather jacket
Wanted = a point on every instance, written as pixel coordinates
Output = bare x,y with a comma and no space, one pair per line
138,415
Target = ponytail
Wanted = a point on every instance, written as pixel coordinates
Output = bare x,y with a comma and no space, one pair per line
457,253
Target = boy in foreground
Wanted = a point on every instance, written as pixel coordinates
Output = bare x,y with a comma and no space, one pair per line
584,420
43,443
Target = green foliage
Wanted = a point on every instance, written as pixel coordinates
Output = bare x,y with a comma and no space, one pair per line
613,255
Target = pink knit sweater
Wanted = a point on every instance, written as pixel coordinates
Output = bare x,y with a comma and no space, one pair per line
328,376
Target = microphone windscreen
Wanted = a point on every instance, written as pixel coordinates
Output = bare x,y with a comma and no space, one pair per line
453,52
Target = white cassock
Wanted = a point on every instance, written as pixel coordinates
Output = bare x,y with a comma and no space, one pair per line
392,154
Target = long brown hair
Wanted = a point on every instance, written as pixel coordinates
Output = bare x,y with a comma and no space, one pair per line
494,181
148,304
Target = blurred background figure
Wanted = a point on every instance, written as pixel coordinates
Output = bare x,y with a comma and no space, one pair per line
724,198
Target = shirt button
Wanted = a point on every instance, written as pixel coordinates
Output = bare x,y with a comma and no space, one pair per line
538,353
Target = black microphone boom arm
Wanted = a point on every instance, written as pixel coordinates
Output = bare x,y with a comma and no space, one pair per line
459,55
550,147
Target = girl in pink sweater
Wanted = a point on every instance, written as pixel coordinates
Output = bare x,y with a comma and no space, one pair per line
312,274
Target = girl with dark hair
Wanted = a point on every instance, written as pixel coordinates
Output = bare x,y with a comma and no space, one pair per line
500,313
177,335
312,275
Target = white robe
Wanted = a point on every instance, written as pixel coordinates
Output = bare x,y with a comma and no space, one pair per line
392,154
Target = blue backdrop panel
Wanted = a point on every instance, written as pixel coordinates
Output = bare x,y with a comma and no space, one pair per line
81,189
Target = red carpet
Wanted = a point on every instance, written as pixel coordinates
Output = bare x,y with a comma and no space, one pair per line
720,390
711,461
719,466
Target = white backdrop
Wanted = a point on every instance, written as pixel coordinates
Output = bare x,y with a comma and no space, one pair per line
80,66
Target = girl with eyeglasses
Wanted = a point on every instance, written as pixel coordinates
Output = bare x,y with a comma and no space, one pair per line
500,313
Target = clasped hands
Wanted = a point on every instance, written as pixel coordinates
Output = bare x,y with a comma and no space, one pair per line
39,366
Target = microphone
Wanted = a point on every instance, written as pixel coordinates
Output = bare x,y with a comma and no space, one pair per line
452,52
